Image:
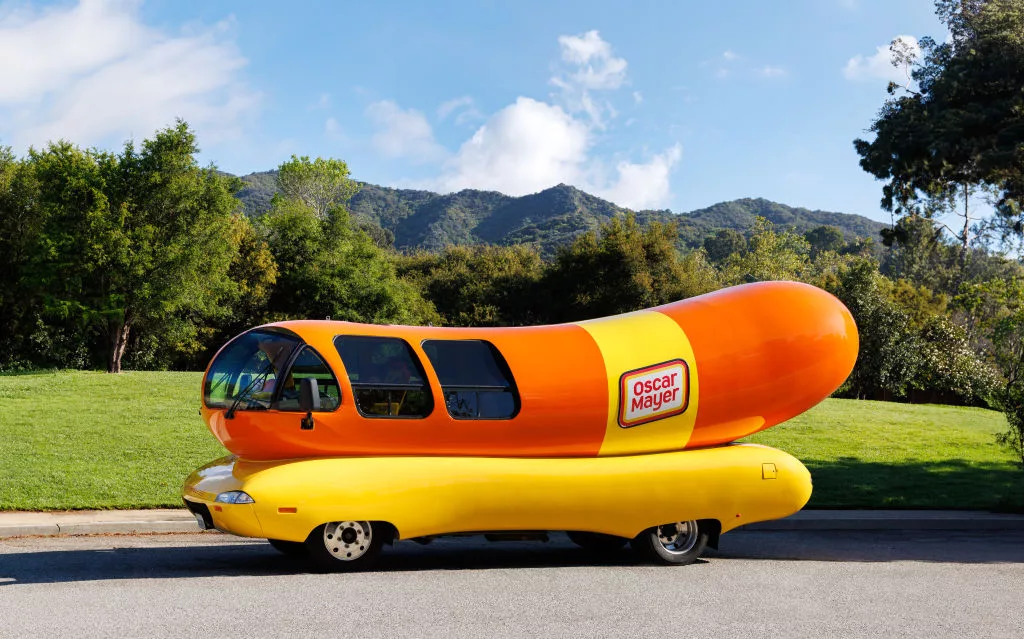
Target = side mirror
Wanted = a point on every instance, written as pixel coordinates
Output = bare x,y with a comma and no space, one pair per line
309,395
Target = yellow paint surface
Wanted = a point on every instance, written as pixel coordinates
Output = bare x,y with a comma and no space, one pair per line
633,341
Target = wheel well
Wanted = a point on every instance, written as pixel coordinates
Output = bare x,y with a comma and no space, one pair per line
714,529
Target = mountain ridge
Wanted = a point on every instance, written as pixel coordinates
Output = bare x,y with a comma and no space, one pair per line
419,219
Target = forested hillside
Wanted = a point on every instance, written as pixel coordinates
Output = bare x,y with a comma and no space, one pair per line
546,220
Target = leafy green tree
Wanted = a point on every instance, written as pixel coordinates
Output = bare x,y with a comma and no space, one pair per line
723,243
479,285
327,267
321,185
623,269
889,354
824,238
20,224
770,255
957,132
136,241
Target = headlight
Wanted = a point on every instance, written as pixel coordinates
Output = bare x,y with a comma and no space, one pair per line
235,497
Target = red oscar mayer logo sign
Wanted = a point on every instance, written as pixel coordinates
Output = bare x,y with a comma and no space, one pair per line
653,392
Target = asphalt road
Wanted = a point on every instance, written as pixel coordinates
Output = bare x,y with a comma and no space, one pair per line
760,584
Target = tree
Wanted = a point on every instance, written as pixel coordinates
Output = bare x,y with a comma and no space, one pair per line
824,238
327,267
321,184
479,285
957,133
133,241
20,224
724,243
623,269
770,255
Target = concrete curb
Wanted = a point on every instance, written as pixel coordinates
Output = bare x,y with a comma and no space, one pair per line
17,524
93,522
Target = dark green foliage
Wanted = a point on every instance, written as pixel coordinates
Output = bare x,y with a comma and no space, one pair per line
724,243
625,268
479,285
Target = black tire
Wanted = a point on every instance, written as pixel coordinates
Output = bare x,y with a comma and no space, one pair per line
596,542
675,544
290,548
347,546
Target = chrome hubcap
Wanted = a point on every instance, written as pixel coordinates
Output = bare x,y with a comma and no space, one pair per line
678,538
348,540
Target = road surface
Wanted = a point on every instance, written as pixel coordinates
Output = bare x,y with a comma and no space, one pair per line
760,584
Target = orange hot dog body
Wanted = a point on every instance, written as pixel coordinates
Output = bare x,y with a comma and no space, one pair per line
719,367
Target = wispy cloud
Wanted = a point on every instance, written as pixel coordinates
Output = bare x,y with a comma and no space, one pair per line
463,107
92,71
403,133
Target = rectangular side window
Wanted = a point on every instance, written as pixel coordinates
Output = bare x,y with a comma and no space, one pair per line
476,381
386,376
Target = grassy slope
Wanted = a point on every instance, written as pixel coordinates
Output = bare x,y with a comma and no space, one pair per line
92,440
880,454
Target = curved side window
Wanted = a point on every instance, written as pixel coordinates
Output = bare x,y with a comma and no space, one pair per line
475,378
248,369
309,365
386,376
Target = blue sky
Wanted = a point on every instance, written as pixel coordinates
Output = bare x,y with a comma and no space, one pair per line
651,104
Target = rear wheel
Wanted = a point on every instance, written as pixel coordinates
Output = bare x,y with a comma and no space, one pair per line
290,548
346,545
678,543
596,542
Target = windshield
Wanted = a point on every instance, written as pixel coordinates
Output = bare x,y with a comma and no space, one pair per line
249,366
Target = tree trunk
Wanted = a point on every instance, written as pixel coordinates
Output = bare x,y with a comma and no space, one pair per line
966,236
119,337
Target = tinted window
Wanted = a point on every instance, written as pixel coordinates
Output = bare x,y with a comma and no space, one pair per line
387,378
250,364
309,364
475,379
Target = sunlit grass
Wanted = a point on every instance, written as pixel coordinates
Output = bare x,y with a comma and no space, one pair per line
90,440
881,454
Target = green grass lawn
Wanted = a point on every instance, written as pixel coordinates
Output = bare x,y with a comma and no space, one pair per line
90,440
887,455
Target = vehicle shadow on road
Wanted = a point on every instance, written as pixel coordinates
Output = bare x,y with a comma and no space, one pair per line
177,560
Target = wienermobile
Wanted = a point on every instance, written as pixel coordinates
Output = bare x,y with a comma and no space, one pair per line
346,437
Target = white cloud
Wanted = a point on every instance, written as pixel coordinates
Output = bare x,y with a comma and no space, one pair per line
596,67
403,133
851,5
93,71
331,126
638,97
729,56
769,71
590,67
464,107
529,146
880,65
642,186
526,147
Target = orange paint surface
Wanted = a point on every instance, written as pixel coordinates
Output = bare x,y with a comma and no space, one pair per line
762,353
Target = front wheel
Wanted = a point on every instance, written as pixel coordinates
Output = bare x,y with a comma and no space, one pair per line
678,543
346,545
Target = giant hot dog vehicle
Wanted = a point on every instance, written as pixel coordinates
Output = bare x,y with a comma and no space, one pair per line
345,437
